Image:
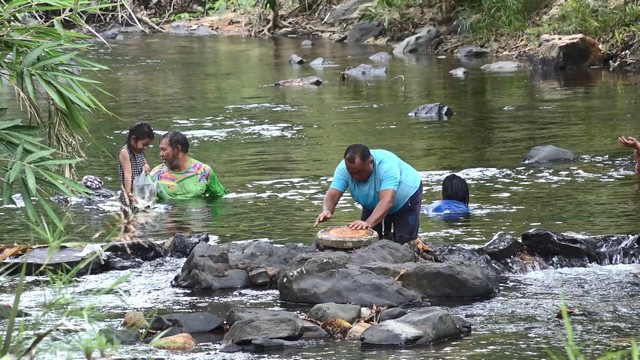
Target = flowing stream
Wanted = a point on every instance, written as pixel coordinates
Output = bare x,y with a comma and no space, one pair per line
275,149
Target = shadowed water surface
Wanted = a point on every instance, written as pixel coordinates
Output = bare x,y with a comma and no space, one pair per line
275,149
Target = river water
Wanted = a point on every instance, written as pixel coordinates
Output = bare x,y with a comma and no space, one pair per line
275,149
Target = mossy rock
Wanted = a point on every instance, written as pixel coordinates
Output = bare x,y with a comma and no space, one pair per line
342,237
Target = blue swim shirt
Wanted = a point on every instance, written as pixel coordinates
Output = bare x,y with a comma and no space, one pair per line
447,208
389,172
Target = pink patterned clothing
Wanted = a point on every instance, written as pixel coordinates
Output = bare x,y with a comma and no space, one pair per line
198,180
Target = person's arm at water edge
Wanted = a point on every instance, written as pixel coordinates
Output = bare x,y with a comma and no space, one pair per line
632,142
125,162
329,203
387,197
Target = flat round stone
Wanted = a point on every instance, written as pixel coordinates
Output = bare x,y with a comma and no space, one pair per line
342,237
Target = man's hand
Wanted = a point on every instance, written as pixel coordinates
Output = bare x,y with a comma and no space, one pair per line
146,169
629,142
324,216
359,225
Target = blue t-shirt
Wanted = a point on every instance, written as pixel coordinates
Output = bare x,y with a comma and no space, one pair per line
389,172
447,208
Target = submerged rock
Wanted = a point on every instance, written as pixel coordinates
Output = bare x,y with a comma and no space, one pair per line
472,52
311,81
381,56
321,62
459,72
548,154
295,59
367,72
436,111
502,66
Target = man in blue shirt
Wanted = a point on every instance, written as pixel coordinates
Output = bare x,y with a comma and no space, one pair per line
388,189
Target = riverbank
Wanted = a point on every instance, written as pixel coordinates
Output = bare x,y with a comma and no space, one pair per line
505,33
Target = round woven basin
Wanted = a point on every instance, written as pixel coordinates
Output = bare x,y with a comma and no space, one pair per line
342,237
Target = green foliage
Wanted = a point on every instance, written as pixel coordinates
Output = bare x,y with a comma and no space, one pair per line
488,17
42,64
595,19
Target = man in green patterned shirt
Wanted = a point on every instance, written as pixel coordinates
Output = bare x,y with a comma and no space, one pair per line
180,176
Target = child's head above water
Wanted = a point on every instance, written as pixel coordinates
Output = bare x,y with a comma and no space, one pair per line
140,136
455,188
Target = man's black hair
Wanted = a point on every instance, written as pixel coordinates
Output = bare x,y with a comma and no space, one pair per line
176,138
356,150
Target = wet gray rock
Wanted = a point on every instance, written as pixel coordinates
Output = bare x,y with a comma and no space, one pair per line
311,331
363,31
113,34
239,314
459,72
307,43
182,244
448,252
472,52
543,154
113,262
321,62
503,246
436,111
502,66
275,344
548,244
346,11
226,266
194,322
295,59
381,56
146,250
422,327
367,72
315,285
454,279
245,331
392,313
38,261
328,311
383,251
120,336
417,43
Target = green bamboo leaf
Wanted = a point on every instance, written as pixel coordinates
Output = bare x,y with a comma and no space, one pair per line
40,154
5,124
53,94
74,115
62,184
15,165
73,98
31,89
28,203
33,55
6,190
50,213
31,180
57,162
61,59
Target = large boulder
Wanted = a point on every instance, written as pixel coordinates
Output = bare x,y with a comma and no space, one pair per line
316,283
244,331
561,52
323,312
363,31
188,322
417,44
453,279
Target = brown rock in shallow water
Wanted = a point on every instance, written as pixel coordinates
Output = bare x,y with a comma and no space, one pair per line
182,341
134,319
301,82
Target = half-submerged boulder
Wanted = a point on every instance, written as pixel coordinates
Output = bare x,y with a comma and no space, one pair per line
321,62
295,59
183,27
367,72
381,56
502,66
422,327
436,111
472,52
548,154
459,72
310,81
559,52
